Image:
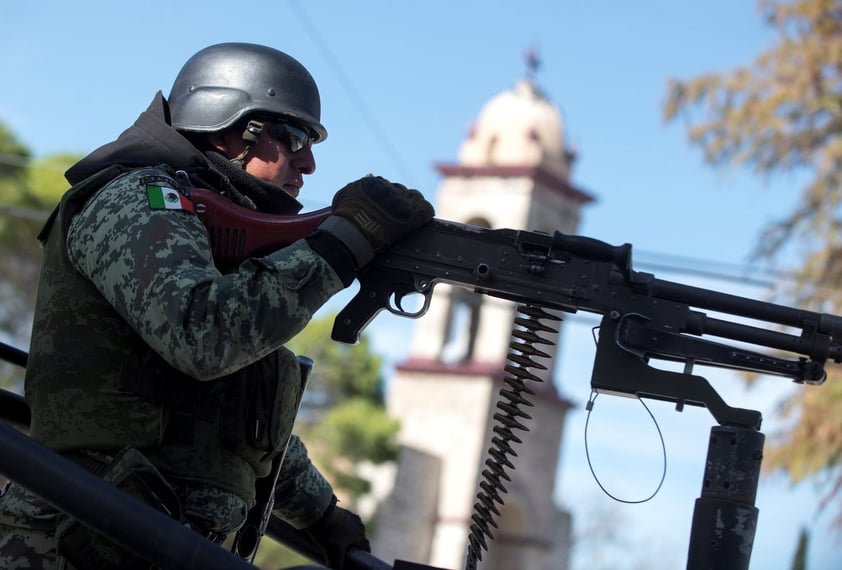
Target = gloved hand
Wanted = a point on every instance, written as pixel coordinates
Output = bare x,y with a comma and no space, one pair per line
337,530
371,213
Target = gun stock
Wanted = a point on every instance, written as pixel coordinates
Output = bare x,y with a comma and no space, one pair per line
237,233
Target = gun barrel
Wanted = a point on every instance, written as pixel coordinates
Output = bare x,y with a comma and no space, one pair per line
816,347
831,324
745,307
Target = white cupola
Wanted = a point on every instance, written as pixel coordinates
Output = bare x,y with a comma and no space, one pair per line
518,127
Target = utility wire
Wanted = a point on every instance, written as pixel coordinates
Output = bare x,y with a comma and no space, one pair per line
26,162
24,213
368,117
674,264
732,272
685,266
14,159
725,272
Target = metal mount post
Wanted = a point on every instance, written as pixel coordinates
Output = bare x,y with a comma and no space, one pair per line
725,517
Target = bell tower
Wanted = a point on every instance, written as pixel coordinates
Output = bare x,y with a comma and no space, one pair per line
513,171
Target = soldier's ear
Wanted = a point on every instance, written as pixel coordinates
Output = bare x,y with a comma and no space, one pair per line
217,142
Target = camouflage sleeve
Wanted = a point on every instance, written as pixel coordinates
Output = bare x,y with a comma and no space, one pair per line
301,494
154,266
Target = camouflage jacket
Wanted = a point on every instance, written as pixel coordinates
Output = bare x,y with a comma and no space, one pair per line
139,340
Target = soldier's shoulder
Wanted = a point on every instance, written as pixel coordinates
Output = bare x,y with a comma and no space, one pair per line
139,178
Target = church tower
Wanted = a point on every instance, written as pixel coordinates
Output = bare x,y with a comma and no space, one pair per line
513,171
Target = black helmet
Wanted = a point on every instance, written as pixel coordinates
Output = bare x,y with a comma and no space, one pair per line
224,83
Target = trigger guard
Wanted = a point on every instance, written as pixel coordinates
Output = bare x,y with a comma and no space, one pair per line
398,309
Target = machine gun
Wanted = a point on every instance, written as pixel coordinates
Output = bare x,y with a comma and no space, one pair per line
643,319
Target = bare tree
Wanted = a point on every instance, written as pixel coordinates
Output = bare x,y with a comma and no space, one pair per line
782,114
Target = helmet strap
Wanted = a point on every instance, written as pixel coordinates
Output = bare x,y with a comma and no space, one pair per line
250,136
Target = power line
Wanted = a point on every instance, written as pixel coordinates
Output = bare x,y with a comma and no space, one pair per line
746,274
14,159
359,102
682,265
26,162
24,213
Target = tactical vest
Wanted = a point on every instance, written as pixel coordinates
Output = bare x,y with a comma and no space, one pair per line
93,383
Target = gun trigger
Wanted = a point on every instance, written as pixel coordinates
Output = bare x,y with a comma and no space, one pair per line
399,297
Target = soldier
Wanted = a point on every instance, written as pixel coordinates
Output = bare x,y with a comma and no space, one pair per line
151,367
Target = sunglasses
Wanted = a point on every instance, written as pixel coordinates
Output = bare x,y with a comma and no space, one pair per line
295,138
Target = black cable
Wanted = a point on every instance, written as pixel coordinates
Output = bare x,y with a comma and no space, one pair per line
589,408
379,134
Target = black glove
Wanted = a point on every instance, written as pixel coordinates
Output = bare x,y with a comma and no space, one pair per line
372,213
337,530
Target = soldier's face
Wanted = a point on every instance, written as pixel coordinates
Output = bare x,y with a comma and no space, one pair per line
271,160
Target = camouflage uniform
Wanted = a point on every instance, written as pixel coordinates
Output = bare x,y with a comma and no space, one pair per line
140,341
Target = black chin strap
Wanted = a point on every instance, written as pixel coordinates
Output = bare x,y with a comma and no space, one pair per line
250,135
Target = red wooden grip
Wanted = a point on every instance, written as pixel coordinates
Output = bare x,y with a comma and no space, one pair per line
237,233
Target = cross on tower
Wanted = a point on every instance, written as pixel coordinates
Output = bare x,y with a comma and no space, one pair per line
533,62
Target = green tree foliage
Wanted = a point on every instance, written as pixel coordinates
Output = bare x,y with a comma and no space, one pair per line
341,370
272,555
27,195
343,420
13,156
783,114
28,191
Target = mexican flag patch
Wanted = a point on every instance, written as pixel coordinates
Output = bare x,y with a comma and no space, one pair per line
163,198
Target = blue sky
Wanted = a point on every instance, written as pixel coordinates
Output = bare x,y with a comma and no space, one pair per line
401,83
